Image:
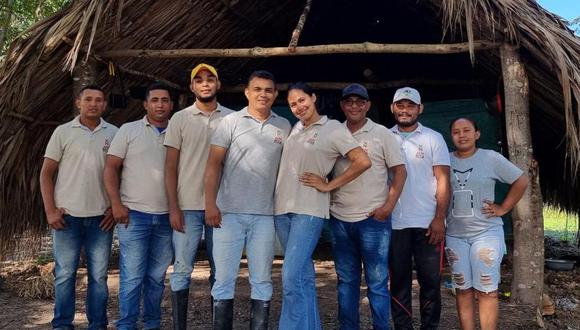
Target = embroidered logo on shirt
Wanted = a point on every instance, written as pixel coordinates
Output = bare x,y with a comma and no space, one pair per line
365,146
278,137
312,139
106,145
420,153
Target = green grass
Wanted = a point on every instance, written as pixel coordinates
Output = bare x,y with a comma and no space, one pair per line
559,224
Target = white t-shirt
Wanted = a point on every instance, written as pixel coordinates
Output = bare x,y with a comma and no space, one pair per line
423,149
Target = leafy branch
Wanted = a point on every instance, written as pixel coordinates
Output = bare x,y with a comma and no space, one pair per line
18,15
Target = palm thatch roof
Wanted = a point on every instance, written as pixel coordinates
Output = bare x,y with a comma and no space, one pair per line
36,84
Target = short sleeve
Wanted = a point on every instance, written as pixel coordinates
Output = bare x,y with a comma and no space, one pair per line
504,170
440,151
173,136
55,148
222,137
120,143
392,150
342,141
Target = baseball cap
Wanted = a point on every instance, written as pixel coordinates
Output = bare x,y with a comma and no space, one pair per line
203,66
355,89
407,93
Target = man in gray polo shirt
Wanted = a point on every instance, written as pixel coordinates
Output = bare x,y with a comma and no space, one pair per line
187,142
134,183
77,208
239,199
361,214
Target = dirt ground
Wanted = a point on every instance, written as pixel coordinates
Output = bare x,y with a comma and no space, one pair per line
26,313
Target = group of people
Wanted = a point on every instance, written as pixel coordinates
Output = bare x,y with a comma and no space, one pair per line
241,179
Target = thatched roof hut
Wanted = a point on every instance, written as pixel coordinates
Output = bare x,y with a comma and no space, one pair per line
36,85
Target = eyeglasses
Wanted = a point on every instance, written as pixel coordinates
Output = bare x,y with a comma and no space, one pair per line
350,103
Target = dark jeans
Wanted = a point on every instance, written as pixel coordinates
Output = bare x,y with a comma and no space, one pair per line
406,245
363,242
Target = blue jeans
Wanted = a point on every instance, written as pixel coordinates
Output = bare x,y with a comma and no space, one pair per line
257,233
145,255
185,247
365,241
66,244
299,234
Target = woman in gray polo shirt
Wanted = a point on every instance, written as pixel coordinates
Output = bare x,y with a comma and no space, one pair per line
474,238
302,199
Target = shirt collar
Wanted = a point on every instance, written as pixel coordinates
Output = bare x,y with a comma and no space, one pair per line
76,122
195,110
419,129
367,127
146,122
321,121
245,113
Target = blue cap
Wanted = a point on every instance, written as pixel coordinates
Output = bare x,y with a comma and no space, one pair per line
355,89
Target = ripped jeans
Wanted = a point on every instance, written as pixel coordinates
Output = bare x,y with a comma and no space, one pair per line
475,261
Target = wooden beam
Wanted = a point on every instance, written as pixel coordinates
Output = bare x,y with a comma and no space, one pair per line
362,48
528,223
331,85
129,71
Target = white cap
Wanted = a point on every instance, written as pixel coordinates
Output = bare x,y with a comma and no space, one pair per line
407,93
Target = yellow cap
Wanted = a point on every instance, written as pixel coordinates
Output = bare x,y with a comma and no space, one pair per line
202,66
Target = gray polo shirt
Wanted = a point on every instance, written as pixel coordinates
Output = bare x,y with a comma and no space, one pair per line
313,149
189,131
140,145
356,199
80,154
473,181
251,163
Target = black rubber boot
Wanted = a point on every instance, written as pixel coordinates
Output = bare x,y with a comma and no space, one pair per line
259,314
179,301
223,314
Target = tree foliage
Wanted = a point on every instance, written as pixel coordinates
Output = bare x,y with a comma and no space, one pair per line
18,15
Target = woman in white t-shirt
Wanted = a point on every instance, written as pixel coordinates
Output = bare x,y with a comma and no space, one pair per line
302,200
474,237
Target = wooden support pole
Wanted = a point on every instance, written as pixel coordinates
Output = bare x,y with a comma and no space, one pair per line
363,48
83,75
298,30
528,221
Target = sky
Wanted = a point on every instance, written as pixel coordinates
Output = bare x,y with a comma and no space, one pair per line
568,9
